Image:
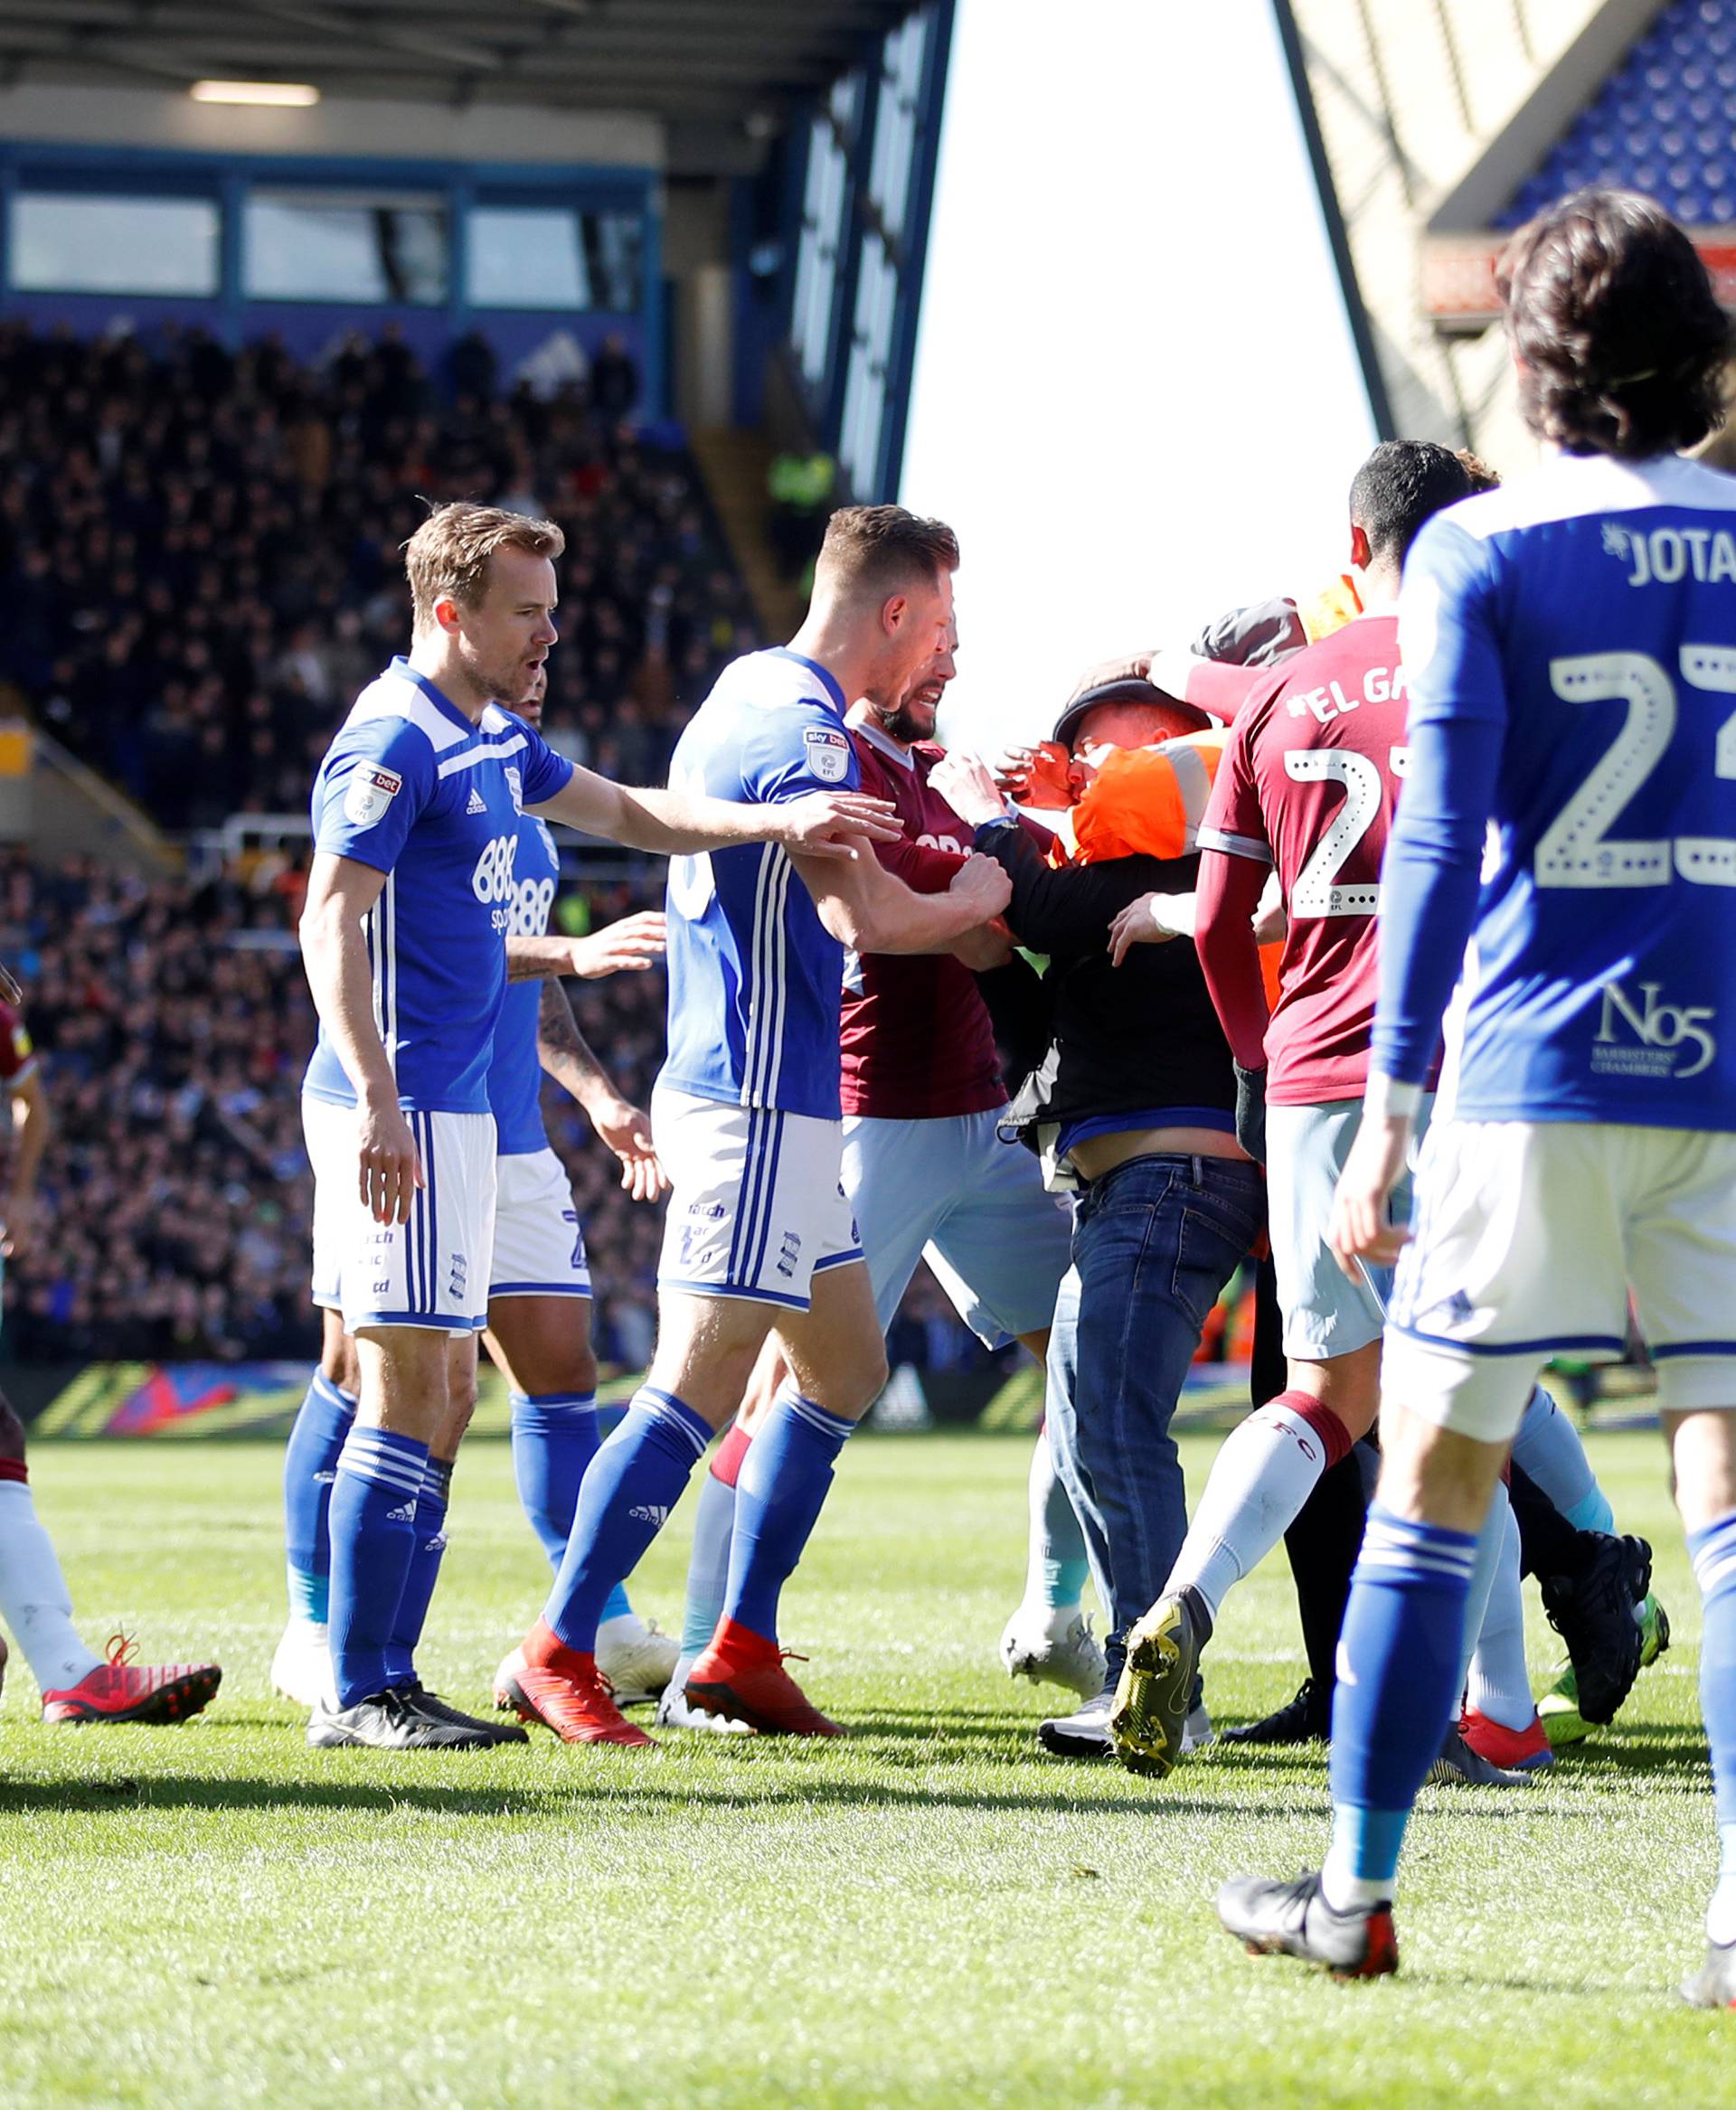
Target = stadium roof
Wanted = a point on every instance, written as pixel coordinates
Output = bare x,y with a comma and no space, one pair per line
682,60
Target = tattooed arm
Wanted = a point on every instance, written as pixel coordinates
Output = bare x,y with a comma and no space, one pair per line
565,1054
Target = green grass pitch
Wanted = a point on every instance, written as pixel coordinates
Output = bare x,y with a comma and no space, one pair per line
928,1913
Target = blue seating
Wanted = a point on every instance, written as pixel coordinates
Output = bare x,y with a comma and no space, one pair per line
1665,123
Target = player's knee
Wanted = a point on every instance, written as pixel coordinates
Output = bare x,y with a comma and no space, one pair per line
866,1380
12,1432
337,1357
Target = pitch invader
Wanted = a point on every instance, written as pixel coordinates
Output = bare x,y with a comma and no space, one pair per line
416,816
746,1121
1568,809
927,1176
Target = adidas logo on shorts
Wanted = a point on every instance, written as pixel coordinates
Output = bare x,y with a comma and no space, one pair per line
477,805
649,1513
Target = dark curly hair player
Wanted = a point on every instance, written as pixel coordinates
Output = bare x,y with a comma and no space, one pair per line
1570,646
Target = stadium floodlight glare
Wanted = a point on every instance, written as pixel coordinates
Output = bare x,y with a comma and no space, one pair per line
294,95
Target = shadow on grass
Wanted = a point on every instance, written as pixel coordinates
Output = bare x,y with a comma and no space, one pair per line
605,1781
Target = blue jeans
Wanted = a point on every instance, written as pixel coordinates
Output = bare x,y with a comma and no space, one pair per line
1155,1242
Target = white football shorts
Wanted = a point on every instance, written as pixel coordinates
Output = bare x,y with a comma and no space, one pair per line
949,1191
1527,1239
756,1210
538,1247
1325,1314
432,1271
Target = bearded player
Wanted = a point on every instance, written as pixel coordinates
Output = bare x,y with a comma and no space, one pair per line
928,1177
747,1120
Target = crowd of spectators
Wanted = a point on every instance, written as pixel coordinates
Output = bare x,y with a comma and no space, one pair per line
199,551
173,1022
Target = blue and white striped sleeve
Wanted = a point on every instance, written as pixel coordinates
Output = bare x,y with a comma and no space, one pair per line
1453,669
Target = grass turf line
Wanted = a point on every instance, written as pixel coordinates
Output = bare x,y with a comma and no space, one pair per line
929,1912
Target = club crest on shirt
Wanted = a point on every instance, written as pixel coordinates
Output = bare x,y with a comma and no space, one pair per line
515,785
828,753
371,790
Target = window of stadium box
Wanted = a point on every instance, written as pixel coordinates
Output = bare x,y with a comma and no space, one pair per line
536,256
346,246
94,242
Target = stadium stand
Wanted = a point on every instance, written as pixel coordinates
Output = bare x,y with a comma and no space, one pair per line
199,551
1665,123
175,1020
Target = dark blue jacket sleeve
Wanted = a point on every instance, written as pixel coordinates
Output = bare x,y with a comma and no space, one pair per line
1456,730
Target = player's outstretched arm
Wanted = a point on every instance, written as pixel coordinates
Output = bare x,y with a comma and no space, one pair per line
626,947
866,907
567,1057
1223,933
340,893
683,824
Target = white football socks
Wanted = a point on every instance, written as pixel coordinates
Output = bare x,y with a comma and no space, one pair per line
33,1599
1266,1469
1500,1685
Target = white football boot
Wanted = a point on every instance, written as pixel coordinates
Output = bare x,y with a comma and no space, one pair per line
676,1711
636,1657
301,1668
1054,1647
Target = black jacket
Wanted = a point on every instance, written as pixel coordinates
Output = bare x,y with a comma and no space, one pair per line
1121,1038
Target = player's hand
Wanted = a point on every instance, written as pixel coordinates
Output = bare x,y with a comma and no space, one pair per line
627,1133
624,947
1152,920
982,950
1040,777
1271,926
20,1226
10,988
1133,666
983,885
392,1170
832,823
1359,1226
967,784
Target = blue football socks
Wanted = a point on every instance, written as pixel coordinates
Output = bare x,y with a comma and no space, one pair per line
708,1566
1056,1566
374,1501
1400,1666
309,1467
1713,1552
624,1501
554,1438
777,1503
1548,1450
424,1571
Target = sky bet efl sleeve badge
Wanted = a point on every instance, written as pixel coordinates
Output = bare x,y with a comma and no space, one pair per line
371,790
828,753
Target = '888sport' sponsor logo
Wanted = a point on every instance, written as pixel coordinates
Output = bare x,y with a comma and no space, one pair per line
533,903
492,881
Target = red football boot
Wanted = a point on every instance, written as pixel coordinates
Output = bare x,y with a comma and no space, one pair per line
123,1691
562,1689
1515,1750
741,1676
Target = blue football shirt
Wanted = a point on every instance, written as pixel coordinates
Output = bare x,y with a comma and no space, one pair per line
411,786
515,1074
755,979
1569,803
